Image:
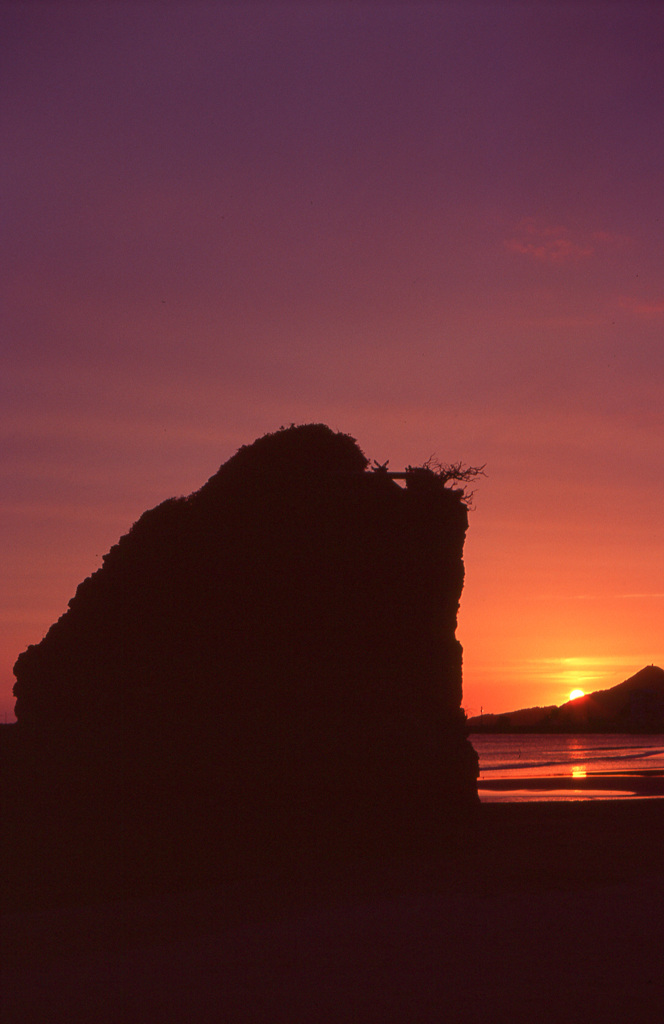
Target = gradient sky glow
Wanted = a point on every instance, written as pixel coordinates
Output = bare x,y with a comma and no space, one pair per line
437,227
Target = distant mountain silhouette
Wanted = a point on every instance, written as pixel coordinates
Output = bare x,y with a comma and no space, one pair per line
634,706
262,672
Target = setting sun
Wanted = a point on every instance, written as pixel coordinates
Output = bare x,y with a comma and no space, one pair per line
576,693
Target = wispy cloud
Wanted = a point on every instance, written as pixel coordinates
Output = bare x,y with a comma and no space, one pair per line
597,597
583,661
641,307
548,243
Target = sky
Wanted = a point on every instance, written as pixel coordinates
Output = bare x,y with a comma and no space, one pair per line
437,227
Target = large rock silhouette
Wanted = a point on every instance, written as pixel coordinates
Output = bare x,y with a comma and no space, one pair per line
263,671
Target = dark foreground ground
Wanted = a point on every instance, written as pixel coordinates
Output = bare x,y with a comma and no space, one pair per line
541,912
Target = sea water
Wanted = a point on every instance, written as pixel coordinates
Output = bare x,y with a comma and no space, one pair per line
556,761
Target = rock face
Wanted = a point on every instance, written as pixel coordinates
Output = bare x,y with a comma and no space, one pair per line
270,662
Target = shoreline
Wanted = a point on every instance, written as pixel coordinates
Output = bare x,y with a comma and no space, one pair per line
620,785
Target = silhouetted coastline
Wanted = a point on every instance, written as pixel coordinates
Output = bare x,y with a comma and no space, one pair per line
635,706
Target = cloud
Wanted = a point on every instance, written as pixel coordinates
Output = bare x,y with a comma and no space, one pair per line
641,307
596,597
549,243
587,662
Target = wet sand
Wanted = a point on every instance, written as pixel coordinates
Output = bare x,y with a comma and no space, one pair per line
539,911
642,783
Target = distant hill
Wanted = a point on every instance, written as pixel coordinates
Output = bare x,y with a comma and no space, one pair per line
634,706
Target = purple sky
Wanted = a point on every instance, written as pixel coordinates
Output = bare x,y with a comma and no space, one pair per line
437,227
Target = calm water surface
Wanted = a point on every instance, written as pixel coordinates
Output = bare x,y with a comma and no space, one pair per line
549,767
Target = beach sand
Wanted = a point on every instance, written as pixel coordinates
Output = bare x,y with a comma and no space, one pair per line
592,785
545,912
